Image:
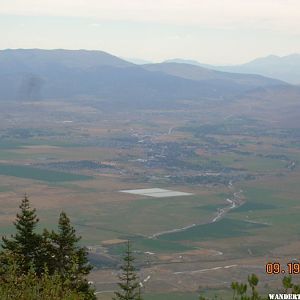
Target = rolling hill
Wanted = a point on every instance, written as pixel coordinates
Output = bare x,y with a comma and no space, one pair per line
199,73
33,74
286,68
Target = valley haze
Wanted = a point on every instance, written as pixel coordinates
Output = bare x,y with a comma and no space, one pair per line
197,164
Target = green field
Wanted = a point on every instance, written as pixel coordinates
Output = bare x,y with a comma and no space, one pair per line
252,206
5,189
39,174
223,229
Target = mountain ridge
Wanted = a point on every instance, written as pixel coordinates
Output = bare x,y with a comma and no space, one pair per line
34,74
285,68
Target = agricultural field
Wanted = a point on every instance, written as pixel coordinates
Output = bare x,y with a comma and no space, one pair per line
240,174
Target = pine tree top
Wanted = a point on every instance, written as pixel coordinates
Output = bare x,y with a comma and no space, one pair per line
129,282
25,238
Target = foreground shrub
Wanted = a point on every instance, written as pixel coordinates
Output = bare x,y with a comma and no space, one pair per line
14,285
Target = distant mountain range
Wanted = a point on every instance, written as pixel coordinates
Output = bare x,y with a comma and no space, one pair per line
33,74
286,68
200,74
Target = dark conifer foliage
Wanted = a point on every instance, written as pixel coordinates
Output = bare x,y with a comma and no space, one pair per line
56,254
129,282
25,243
68,259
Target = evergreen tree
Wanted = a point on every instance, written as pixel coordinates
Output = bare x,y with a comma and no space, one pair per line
25,243
129,285
67,258
253,281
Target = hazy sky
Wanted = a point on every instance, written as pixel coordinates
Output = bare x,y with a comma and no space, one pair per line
210,31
